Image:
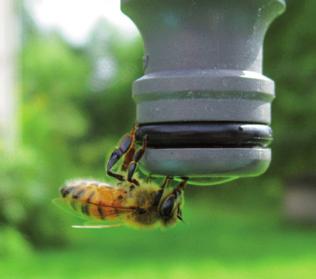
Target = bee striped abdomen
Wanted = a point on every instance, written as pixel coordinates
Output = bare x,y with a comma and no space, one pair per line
85,209
65,191
95,199
100,212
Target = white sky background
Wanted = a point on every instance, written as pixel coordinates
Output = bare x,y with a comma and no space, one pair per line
76,18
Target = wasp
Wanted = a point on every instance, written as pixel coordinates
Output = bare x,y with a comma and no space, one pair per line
132,201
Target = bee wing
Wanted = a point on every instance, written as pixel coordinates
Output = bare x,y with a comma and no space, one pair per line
92,223
96,226
61,204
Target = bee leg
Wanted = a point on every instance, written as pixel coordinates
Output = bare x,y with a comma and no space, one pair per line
130,153
166,182
148,179
181,185
127,143
163,186
133,164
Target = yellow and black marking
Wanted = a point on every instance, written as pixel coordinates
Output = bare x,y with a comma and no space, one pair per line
96,199
142,206
100,212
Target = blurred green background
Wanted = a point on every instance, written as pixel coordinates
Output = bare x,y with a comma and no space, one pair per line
70,114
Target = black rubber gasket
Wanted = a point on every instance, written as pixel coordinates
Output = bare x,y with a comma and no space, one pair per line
202,135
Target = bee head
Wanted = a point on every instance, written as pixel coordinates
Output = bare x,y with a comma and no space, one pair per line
170,207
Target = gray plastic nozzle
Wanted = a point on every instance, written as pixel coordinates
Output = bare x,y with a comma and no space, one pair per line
203,64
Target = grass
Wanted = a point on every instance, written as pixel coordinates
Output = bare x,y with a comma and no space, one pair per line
216,242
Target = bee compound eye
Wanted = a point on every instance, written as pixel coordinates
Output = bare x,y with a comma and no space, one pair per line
167,207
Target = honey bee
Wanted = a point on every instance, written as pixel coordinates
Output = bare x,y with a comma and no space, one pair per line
130,201
144,206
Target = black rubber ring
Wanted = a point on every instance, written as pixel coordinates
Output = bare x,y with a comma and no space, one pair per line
212,135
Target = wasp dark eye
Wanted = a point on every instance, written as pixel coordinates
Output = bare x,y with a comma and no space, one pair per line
166,207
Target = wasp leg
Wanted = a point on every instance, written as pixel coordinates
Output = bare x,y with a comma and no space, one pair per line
133,165
127,143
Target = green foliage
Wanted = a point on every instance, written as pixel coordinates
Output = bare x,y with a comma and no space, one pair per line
27,187
291,61
216,241
54,76
68,124
110,110
13,245
67,128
